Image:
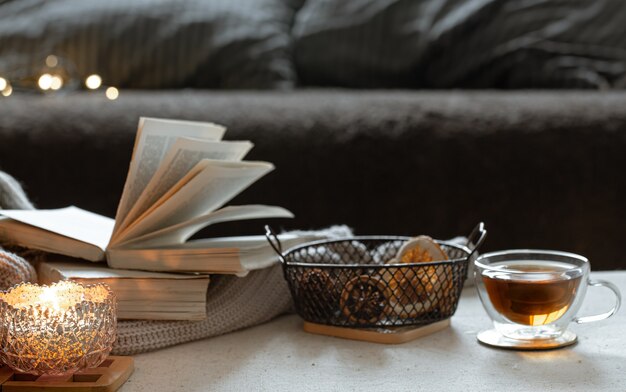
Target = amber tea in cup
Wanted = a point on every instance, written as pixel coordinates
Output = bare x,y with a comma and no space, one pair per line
538,298
532,294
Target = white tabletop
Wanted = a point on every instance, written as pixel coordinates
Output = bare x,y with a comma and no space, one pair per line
279,356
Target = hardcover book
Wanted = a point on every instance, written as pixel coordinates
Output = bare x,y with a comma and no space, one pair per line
141,295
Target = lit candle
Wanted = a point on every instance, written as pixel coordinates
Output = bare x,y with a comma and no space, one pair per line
56,329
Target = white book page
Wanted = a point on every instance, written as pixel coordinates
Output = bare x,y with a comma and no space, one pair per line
71,222
184,154
181,232
36,238
82,270
214,186
154,138
120,235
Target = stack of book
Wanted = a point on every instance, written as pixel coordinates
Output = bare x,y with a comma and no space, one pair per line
140,294
180,177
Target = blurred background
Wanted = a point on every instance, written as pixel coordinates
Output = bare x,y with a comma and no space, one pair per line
392,116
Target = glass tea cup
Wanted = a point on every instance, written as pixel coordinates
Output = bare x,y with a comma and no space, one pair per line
535,294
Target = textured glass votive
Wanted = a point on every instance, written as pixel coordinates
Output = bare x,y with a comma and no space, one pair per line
56,329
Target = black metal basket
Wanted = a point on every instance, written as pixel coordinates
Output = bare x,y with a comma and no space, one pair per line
347,283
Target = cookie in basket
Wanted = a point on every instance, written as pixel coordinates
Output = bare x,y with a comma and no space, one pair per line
318,293
365,299
417,290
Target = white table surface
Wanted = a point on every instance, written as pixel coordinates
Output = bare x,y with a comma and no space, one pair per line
279,356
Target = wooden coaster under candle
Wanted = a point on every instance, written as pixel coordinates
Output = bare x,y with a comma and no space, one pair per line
109,376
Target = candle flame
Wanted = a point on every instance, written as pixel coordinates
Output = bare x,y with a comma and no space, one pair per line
49,297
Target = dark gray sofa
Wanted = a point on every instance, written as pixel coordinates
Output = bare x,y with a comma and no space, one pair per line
541,169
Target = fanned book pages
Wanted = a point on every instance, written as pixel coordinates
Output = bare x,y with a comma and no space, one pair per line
181,175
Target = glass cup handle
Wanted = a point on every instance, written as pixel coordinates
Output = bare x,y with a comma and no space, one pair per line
605,315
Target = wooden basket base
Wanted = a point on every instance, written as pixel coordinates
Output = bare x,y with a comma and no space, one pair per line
108,377
389,335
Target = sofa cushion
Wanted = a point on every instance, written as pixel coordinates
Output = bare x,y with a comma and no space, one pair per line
461,43
154,44
534,44
360,43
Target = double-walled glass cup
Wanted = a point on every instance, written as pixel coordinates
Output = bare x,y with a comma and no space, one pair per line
535,294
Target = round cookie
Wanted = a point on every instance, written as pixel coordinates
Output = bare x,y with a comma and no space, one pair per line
365,299
318,293
421,249
416,289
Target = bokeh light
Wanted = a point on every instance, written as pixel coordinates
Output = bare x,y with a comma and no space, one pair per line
112,93
45,81
57,82
93,81
8,90
52,61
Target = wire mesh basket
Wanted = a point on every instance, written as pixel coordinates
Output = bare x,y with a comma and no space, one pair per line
349,283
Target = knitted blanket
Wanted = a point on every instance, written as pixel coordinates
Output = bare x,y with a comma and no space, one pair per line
232,303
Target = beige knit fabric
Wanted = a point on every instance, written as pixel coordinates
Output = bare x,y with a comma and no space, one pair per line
12,196
14,269
232,303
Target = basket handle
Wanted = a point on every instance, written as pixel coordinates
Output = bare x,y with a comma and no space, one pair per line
476,238
272,238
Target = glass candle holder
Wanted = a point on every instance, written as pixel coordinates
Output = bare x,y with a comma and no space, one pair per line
56,329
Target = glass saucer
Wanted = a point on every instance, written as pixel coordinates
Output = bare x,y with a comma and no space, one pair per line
493,338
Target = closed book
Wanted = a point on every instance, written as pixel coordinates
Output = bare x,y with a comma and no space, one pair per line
140,294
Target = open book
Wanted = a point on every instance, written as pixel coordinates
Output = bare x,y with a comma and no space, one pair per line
181,175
